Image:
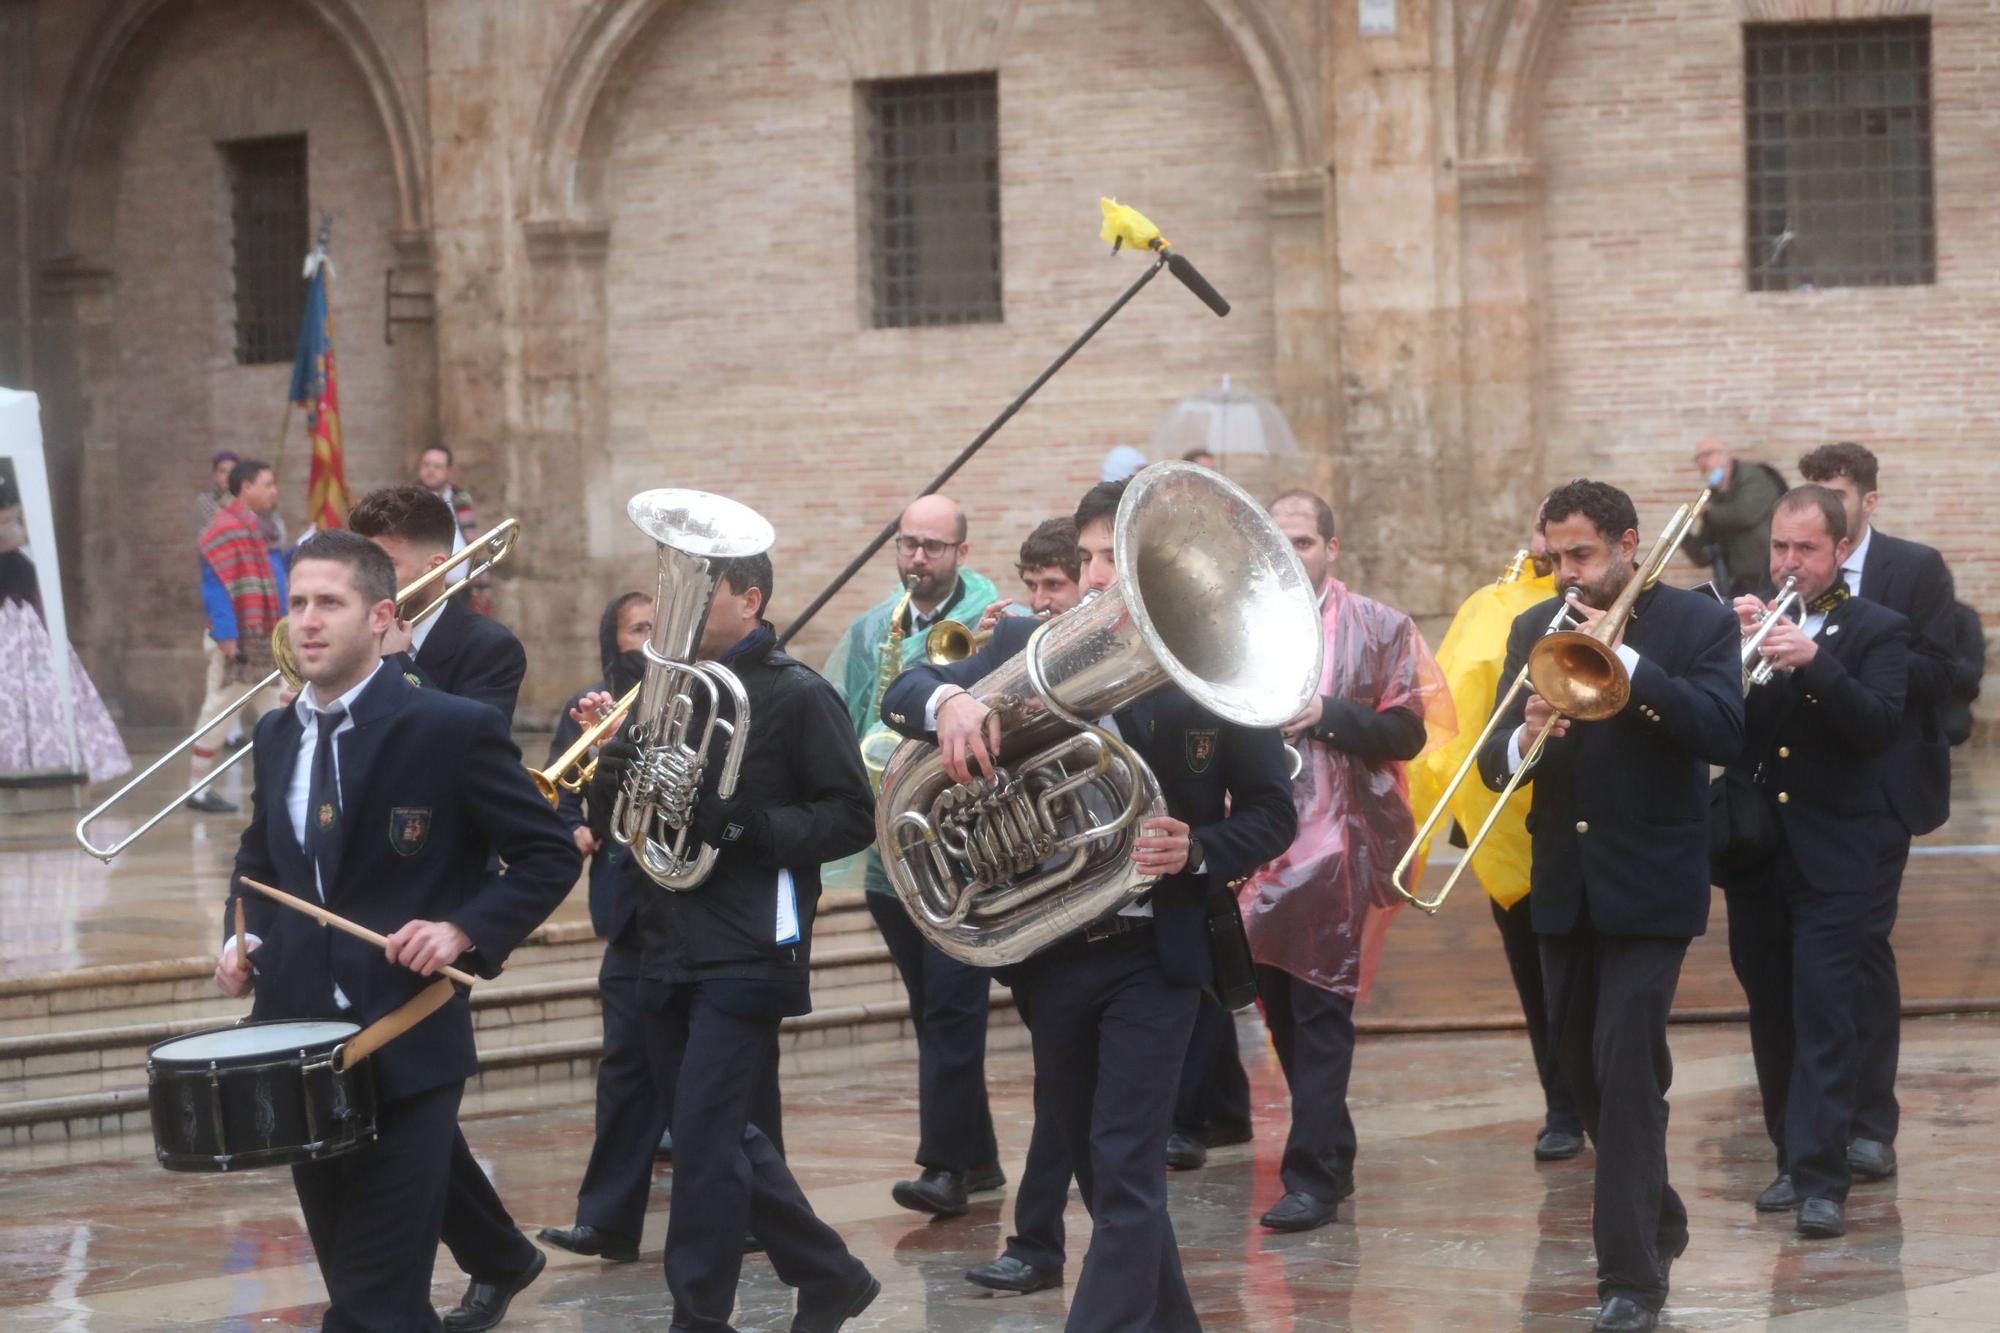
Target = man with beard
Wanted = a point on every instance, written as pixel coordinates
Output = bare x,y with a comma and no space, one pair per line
956,1152
1620,881
1818,733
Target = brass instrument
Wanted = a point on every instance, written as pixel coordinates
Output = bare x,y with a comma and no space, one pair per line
994,870
1756,670
880,742
571,771
489,548
1577,671
654,812
951,641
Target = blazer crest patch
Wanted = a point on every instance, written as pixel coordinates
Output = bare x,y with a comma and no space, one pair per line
1200,743
414,679
409,829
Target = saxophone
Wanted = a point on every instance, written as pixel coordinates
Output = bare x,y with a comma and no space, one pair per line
880,742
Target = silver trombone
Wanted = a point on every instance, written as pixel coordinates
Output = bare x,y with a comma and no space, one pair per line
1759,670
489,549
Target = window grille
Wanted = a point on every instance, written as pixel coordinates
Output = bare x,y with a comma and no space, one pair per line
1837,140
931,211
270,233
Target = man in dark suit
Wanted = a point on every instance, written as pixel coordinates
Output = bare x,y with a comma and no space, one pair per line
389,804
1816,737
458,651
1911,579
1111,1001
1620,873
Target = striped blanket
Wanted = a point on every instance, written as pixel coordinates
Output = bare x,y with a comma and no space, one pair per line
233,546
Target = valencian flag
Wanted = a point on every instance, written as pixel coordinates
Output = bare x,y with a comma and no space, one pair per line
316,389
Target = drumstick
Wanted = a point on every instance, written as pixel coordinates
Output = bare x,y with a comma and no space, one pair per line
326,918
396,1022
242,952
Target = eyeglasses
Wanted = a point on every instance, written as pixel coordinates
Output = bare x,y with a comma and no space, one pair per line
933,549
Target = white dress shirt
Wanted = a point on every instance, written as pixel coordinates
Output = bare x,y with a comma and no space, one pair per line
419,632
1857,560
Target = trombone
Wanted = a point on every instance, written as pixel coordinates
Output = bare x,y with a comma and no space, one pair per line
489,548
1757,670
571,771
1577,671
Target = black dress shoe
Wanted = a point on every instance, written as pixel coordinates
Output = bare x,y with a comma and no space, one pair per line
1778,1196
485,1303
1185,1152
1871,1159
1223,1136
980,1179
581,1239
208,803
665,1152
1298,1211
1557,1145
823,1314
941,1193
1822,1219
1010,1274
1622,1314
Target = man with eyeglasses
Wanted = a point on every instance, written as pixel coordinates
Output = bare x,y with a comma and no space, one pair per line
956,1154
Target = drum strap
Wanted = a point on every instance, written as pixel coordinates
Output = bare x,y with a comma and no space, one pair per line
395,1023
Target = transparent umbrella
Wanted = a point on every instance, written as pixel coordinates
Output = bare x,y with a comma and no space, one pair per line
1226,423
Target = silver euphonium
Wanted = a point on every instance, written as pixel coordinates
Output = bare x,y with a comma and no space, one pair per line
654,808
1756,670
1209,597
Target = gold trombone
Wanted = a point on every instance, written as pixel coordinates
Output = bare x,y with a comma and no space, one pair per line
571,771
1577,670
489,548
951,641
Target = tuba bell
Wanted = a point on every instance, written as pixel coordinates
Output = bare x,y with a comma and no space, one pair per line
655,807
1209,597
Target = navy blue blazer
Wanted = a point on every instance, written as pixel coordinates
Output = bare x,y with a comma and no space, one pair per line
432,788
471,656
1817,742
1619,820
1912,579
1229,784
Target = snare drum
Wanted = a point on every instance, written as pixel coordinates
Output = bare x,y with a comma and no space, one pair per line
258,1094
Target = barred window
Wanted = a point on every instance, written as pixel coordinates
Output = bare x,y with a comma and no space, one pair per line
931,211
1837,138
270,233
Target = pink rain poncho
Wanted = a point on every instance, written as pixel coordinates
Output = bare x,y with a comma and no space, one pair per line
1319,911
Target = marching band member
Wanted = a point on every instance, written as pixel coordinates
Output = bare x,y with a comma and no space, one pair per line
956,1151
726,961
1817,736
388,803
1911,579
1107,1001
1620,875
1316,915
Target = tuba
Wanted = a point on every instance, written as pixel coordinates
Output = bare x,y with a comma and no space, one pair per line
654,808
1209,597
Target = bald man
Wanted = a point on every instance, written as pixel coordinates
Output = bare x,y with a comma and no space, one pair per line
956,1154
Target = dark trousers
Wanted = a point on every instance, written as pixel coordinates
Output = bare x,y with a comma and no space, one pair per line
1878,998
1524,962
1798,950
1106,1023
948,1002
1042,1193
374,1216
481,1234
1313,1031
633,1104
1608,998
729,1178
1213,1100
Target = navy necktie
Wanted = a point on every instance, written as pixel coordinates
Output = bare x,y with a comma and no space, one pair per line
323,829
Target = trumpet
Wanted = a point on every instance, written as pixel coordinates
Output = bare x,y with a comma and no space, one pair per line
951,641
1573,667
571,771
1758,670
489,549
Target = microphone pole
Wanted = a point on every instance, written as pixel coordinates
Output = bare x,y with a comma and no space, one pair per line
883,537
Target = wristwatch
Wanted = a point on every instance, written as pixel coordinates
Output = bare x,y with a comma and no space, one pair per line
1196,858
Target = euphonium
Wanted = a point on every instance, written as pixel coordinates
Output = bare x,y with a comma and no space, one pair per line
656,805
880,742
1209,597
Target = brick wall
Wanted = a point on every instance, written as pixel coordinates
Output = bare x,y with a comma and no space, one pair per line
1653,340
740,357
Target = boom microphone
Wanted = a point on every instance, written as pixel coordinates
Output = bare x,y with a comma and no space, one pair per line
1191,279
